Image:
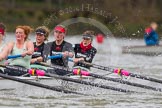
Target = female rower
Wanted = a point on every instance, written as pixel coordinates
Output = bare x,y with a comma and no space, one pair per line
21,46
84,51
2,34
2,42
42,34
59,47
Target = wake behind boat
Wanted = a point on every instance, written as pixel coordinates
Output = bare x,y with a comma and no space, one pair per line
143,50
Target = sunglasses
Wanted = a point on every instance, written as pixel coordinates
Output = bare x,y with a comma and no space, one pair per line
39,34
86,38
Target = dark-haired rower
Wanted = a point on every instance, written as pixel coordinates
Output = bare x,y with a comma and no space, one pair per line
84,51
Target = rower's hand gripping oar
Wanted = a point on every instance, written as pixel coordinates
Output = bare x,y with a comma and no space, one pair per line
121,72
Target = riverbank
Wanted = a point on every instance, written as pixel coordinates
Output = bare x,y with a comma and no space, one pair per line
128,21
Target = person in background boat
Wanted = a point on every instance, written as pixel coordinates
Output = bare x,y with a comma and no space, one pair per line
42,34
22,46
84,51
151,37
59,46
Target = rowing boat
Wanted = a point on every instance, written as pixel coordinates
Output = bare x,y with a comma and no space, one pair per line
69,82
8,84
143,50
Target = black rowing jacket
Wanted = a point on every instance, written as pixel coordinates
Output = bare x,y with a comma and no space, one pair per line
38,50
88,55
52,49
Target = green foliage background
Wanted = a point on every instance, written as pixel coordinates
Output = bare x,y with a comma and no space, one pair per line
133,15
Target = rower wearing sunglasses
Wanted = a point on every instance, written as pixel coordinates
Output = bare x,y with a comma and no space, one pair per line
84,51
41,35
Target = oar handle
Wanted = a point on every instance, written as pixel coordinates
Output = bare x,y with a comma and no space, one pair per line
14,56
55,56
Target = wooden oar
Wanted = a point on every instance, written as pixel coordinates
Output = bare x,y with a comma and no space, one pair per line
37,84
42,73
122,72
102,77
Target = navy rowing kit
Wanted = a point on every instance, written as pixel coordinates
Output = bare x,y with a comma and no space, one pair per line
86,52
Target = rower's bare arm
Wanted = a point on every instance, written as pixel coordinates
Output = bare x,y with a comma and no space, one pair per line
38,59
6,51
3,54
30,49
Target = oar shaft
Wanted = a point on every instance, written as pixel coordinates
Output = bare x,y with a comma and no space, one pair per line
126,82
125,73
85,73
41,73
37,84
116,80
90,74
146,78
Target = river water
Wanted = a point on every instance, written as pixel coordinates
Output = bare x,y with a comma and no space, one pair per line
109,54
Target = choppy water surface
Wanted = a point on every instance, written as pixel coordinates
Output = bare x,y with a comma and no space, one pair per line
109,54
